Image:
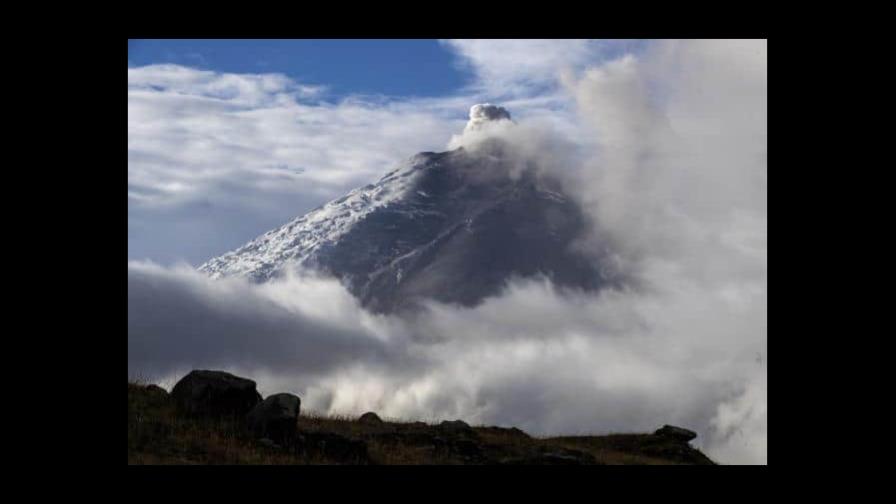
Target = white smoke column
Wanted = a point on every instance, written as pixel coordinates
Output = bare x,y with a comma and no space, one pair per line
678,186
486,121
483,113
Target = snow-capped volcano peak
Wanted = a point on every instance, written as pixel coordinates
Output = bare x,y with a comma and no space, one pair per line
451,226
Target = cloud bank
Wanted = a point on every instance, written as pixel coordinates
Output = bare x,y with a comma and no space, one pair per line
665,148
215,158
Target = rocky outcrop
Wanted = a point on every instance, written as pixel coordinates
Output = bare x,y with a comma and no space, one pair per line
215,393
456,427
157,391
677,433
275,418
370,418
278,434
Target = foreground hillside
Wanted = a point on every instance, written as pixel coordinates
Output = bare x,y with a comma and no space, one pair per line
161,431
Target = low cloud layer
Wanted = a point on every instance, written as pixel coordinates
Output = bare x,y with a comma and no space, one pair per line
666,150
546,361
177,317
216,158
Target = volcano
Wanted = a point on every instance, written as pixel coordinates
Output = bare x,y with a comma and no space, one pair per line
452,226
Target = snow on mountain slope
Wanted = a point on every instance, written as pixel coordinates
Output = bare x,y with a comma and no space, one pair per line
296,240
452,226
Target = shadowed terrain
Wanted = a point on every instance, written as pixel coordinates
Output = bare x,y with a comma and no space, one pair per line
160,433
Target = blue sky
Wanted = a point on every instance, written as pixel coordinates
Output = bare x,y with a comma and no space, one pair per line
398,67
230,138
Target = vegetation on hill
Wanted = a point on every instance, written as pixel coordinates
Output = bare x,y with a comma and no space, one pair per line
160,433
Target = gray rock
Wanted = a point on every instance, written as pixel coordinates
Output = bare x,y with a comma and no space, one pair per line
215,393
370,418
677,433
157,391
456,427
275,417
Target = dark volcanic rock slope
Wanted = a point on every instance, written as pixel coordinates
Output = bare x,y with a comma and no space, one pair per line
451,226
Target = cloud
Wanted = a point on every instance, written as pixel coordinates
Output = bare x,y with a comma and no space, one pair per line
485,113
680,174
546,361
241,153
237,89
216,158
506,69
512,67
179,319
666,149
676,184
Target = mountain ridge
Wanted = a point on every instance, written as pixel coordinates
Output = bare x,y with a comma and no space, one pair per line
451,226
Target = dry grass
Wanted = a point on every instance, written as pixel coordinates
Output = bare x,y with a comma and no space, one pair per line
158,435
633,449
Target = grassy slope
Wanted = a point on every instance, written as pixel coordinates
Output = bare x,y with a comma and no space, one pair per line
158,435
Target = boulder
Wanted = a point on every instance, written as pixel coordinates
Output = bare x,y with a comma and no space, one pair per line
370,418
456,427
215,393
275,417
677,433
157,391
